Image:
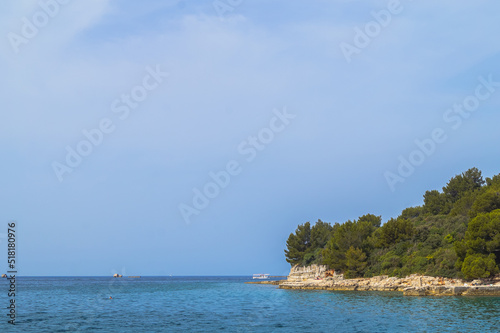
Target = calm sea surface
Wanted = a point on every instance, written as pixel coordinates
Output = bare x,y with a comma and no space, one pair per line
213,304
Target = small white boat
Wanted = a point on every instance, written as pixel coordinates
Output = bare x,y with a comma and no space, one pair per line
261,276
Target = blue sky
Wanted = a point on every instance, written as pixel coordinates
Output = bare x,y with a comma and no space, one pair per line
229,75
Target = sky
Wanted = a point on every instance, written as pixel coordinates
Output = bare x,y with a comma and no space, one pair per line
192,137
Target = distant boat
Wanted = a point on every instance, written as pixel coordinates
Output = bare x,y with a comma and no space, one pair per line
261,276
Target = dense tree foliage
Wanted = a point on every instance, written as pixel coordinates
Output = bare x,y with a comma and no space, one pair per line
305,245
479,251
455,233
351,234
461,185
298,244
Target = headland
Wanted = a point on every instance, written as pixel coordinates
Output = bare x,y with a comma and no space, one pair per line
318,277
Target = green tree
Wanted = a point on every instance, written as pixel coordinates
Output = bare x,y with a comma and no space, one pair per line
354,234
493,181
371,220
461,184
298,244
334,251
355,262
485,203
412,212
479,266
483,233
435,203
320,234
394,231
475,178
482,240
463,205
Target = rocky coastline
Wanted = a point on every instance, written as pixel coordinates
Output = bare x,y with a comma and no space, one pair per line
317,277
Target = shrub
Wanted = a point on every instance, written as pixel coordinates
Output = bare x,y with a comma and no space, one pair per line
479,266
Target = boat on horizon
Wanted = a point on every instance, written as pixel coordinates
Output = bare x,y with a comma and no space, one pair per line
261,276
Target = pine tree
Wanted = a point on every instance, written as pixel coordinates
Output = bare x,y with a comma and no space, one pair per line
298,244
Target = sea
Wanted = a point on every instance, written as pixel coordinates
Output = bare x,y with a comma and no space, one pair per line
227,304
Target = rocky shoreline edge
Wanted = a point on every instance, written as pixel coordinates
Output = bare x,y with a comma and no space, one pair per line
319,278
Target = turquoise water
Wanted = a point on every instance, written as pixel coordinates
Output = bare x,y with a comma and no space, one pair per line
214,304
